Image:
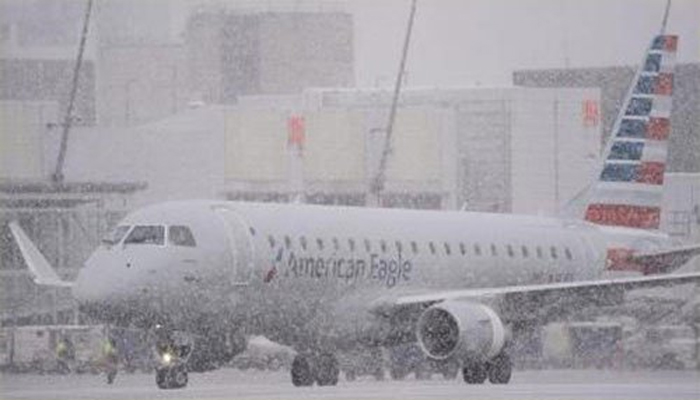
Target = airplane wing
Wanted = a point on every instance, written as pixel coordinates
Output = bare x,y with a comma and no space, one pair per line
664,261
516,300
41,271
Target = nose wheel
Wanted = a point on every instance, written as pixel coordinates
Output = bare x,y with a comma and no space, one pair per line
171,377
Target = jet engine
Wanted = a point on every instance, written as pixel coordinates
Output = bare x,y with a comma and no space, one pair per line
461,329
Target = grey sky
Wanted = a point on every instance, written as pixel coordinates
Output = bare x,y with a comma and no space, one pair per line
468,42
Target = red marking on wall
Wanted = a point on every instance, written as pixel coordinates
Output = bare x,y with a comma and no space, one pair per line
658,128
651,173
590,113
663,84
296,131
624,215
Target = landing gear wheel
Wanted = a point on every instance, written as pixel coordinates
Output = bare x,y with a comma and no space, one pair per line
302,373
178,376
474,373
500,369
327,370
172,378
162,378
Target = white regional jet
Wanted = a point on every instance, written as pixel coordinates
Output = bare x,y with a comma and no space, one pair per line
325,280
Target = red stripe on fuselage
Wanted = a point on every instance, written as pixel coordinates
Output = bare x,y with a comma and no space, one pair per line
624,215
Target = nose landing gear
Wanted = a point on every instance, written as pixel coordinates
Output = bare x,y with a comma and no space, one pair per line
173,349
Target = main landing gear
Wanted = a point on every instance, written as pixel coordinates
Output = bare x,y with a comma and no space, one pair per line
309,368
498,370
172,377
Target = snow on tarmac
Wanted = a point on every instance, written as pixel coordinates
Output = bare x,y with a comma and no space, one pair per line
229,384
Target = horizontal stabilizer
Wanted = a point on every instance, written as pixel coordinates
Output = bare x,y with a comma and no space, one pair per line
41,271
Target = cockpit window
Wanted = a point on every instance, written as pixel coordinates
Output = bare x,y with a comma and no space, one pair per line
116,235
146,234
179,235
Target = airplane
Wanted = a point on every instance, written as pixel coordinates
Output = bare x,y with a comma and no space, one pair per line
327,279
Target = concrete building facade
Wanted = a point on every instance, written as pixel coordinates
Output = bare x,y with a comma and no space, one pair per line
684,143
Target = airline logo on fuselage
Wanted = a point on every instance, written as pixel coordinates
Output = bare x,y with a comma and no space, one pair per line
389,271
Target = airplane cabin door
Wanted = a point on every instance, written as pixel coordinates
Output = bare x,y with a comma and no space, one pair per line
240,244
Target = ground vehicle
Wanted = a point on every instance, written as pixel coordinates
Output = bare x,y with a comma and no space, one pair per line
583,344
662,347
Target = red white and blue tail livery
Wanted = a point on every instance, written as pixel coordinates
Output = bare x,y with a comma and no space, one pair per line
630,185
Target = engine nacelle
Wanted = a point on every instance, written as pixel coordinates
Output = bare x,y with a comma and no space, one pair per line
460,329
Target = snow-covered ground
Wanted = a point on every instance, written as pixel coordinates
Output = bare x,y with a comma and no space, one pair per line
225,384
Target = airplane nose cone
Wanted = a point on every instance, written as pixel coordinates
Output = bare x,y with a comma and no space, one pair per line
102,279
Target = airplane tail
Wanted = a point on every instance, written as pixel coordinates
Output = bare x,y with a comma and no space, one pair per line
629,188
41,271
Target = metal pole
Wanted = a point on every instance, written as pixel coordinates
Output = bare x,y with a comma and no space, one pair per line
665,20
378,183
58,173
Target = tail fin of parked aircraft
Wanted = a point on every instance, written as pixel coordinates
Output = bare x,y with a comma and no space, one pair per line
629,188
42,272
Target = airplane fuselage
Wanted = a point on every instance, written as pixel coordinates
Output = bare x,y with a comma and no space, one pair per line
272,266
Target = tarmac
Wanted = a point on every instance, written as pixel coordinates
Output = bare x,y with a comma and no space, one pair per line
235,384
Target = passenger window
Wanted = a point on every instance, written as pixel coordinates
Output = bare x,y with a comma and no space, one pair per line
477,249
181,236
539,252
567,252
319,242
526,253
116,235
368,246
494,252
462,249
447,249
510,251
351,244
303,242
336,245
432,248
272,241
252,231
288,242
553,252
399,248
146,234
414,247
382,244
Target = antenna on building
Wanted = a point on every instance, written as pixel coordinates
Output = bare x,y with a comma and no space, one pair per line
377,184
57,176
